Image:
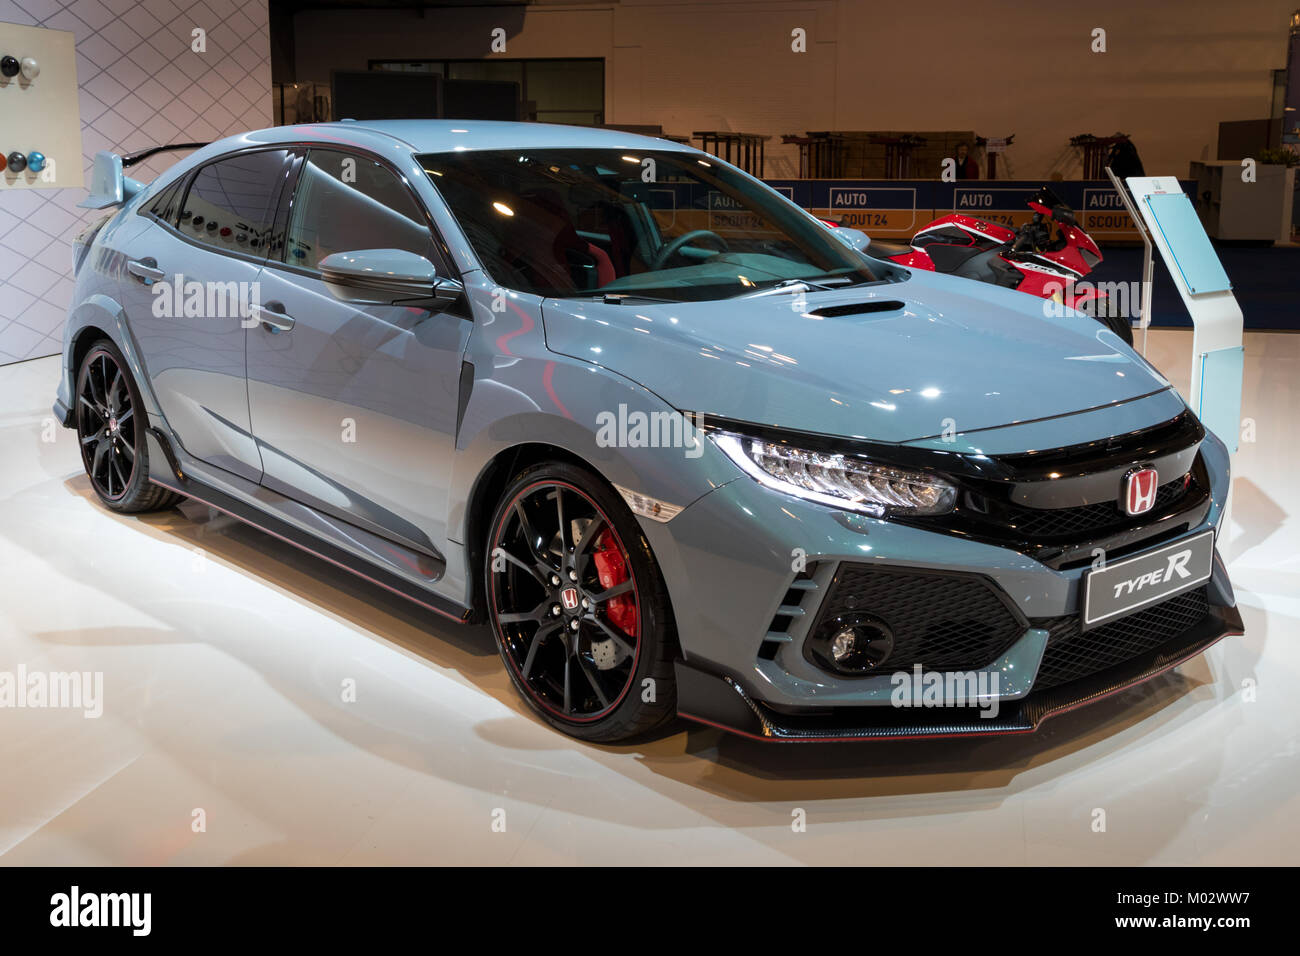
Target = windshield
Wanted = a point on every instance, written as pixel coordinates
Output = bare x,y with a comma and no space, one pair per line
659,224
1048,200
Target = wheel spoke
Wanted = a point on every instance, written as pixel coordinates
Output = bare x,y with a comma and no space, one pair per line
588,536
523,567
531,537
538,614
97,386
112,390
568,700
540,635
621,588
99,458
559,511
617,636
124,448
124,417
593,681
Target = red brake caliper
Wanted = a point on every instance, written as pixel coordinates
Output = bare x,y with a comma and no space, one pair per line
612,570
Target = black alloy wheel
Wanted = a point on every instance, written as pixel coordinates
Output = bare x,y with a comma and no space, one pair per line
578,606
111,425
106,425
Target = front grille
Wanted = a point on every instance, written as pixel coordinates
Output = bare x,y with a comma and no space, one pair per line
1063,538
1084,519
1073,653
941,621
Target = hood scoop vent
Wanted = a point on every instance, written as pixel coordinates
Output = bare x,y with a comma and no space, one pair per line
859,308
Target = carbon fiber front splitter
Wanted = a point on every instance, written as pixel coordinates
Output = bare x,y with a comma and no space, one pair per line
720,701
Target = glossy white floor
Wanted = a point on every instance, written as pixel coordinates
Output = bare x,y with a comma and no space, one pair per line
224,652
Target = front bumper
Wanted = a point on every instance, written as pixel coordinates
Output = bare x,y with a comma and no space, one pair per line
721,702
730,561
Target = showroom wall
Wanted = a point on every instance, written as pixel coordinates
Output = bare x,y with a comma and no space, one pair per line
1170,74
1167,78
140,85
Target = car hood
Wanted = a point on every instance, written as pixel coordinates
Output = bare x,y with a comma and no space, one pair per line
910,360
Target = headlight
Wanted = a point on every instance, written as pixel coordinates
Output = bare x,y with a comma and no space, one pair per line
839,481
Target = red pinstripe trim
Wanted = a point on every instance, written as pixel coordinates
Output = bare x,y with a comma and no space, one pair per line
1064,709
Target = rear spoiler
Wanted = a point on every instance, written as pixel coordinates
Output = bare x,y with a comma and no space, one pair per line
109,187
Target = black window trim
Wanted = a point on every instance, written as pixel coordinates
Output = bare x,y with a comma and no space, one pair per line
146,209
289,196
296,151
186,180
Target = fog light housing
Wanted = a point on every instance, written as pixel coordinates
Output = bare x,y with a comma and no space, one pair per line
854,645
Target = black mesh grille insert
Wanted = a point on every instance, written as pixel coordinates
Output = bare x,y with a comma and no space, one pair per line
1069,522
1073,653
940,621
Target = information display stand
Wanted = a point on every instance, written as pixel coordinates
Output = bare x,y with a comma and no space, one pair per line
1217,354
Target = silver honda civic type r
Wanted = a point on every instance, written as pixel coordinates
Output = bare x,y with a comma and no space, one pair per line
686,450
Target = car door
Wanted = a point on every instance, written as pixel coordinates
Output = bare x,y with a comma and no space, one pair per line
354,406
193,256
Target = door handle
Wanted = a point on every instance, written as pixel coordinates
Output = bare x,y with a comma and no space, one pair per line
273,317
146,270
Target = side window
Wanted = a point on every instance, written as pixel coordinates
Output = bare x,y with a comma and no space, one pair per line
346,202
230,203
163,208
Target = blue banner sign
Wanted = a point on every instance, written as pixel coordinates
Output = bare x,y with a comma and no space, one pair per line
898,208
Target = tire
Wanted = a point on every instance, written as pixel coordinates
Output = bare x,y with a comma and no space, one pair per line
584,660
111,427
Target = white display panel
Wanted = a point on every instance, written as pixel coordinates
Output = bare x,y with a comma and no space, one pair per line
39,110
1216,316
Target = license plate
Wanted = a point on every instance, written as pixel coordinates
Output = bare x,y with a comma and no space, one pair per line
1134,583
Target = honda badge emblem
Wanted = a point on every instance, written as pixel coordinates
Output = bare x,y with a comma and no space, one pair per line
1140,490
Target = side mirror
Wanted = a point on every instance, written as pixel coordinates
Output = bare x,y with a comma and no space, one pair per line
853,238
387,277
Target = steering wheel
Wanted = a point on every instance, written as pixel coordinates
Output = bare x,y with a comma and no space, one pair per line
675,246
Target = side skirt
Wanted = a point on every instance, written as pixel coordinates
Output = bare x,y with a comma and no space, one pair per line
263,520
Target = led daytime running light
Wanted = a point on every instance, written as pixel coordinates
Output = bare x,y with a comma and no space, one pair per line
838,480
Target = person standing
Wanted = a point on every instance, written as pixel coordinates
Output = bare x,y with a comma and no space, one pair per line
966,167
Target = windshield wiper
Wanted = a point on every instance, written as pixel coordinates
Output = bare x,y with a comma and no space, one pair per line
788,285
618,298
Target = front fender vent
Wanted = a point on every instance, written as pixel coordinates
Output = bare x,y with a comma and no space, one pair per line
797,608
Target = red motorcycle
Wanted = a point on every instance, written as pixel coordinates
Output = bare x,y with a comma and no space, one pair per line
1036,258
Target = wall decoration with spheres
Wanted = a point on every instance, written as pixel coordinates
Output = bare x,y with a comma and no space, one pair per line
40,121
